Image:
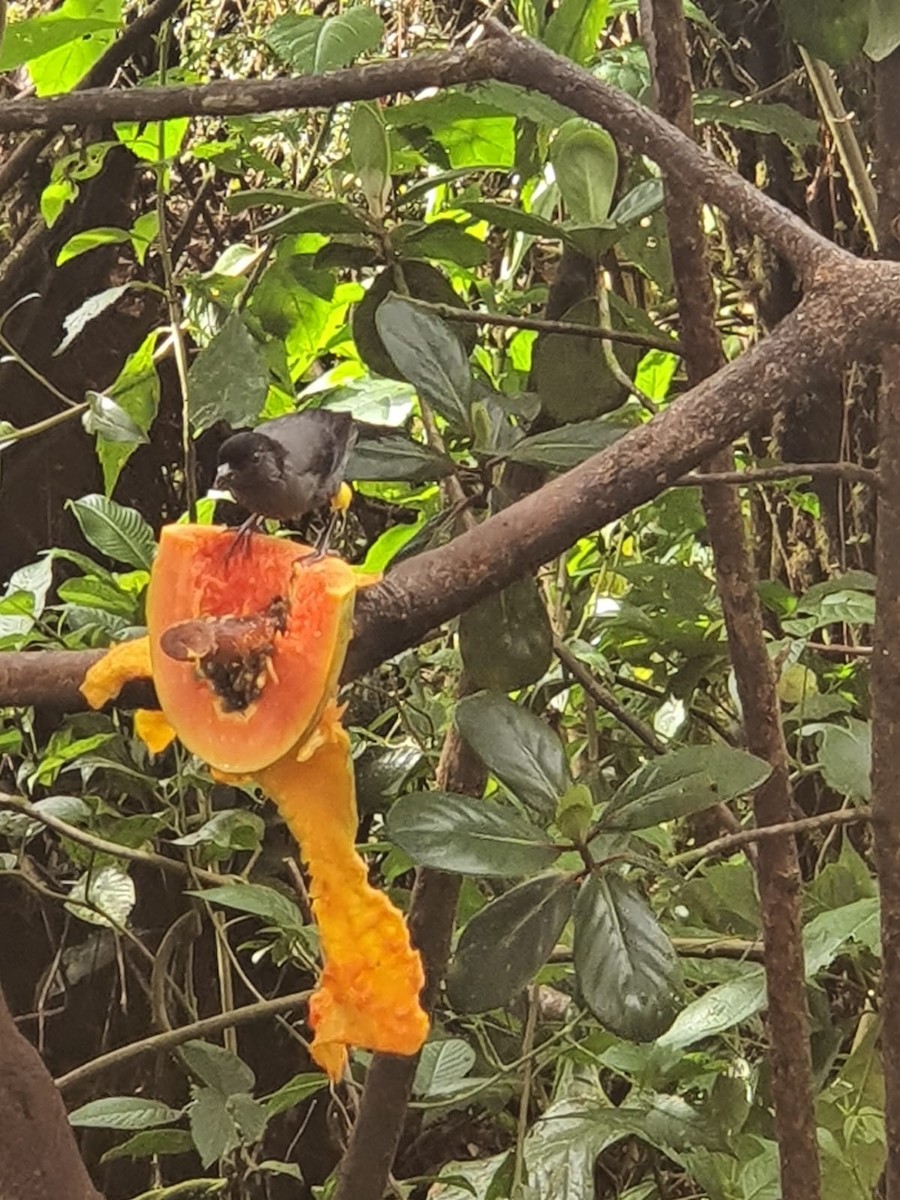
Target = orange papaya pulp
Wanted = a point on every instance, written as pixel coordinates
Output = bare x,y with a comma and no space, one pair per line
246,642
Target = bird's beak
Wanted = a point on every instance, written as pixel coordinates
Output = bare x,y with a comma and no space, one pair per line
222,481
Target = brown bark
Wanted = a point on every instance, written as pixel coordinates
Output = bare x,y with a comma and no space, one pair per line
778,869
886,655
38,1156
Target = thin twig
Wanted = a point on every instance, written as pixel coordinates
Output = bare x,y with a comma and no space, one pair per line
842,470
102,846
734,841
463,316
605,699
207,1027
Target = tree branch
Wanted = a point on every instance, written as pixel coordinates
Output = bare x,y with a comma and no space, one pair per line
807,349
500,56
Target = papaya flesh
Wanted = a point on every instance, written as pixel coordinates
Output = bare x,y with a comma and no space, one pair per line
246,642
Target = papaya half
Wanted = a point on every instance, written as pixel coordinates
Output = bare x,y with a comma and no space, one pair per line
246,642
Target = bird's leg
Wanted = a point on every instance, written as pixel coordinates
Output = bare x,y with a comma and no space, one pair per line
243,539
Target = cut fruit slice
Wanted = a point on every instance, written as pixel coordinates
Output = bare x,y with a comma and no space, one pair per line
246,641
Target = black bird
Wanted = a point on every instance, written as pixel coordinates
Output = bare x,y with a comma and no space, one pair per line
289,467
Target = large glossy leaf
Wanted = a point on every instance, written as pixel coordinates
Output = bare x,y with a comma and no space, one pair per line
519,748
391,456
471,837
567,445
120,533
627,970
228,379
683,782
429,354
586,164
505,640
509,940
311,45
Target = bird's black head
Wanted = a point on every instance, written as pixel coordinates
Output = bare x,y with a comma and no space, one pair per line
248,458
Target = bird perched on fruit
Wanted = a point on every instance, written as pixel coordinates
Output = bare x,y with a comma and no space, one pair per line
289,467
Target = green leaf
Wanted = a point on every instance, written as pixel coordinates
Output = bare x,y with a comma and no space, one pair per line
505,640
392,542
640,202
111,421
257,899
120,533
93,307
730,1004
95,592
60,69
322,216
90,239
429,355
470,837
153,141
833,30
123,1112
150,1144
370,153
575,26
683,782
444,240
442,1066
393,456
295,1091
571,374
737,112
883,36
567,445
136,391
586,164
508,941
109,891
845,756
227,830
228,380
626,969
213,1128
217,1067
504,216
29,39
312,45
517,747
